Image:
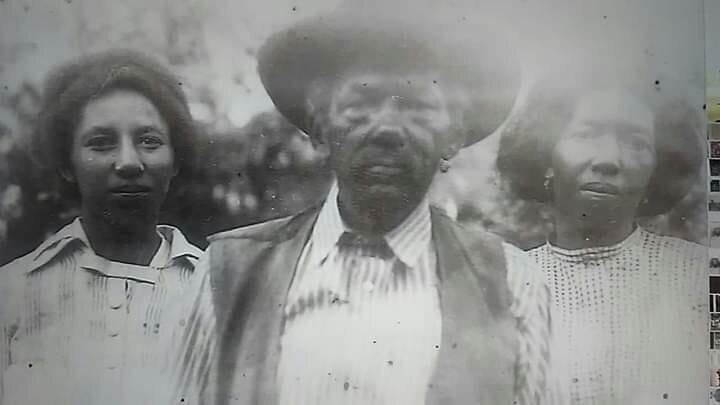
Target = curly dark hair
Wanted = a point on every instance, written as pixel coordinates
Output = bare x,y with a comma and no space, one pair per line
528,139
71,86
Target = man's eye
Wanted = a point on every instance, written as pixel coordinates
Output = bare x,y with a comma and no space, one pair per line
355,112
414,104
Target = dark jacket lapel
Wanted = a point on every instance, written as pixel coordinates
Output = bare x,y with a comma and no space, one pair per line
254,272
477,356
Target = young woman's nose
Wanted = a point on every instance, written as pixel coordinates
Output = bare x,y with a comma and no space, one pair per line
128,162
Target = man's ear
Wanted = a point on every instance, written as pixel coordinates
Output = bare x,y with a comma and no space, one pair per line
317,135
452,149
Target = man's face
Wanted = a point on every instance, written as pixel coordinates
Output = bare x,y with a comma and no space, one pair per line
387,134
605,158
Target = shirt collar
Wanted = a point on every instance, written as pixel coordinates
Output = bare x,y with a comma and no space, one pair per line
73,234
407,240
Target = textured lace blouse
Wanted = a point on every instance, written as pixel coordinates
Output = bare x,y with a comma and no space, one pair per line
631,320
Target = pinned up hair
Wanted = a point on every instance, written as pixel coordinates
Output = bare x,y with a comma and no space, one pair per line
528,139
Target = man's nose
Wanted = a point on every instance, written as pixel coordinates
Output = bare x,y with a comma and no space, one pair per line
128,163
388,136
607,155
389,131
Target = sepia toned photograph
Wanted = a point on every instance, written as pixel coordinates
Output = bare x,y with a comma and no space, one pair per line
357,202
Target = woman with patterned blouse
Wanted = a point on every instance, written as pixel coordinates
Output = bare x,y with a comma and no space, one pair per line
630,305
84,318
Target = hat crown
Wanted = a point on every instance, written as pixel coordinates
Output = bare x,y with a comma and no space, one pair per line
397,37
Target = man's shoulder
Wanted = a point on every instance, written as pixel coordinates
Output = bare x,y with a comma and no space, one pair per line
263,231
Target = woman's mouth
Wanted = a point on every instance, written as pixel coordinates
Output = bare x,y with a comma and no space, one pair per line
599,190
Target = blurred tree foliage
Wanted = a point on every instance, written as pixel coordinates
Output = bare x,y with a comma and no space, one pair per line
263,170
267,169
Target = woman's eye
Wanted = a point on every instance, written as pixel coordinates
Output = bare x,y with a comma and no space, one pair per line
637,142
582,133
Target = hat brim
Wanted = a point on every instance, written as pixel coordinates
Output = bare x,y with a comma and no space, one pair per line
326,47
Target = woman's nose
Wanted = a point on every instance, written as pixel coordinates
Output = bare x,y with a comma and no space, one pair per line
607,155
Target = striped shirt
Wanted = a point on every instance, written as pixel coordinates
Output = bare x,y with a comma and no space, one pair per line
364,328
359,327
79,329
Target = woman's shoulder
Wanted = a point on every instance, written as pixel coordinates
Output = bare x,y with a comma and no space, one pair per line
179,244
49,249
672,247
540,254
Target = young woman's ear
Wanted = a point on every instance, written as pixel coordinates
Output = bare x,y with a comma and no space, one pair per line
67,174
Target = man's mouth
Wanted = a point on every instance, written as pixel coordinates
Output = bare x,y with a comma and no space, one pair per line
383,170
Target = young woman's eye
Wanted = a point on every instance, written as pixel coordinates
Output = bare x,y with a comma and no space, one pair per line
149,137
100,143
150,140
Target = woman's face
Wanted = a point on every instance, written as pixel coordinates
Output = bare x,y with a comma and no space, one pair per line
603,162
122,157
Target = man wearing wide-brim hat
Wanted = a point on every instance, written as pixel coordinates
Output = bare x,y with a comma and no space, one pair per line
375,297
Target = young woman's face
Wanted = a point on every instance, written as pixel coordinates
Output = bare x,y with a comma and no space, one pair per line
122,157
603,162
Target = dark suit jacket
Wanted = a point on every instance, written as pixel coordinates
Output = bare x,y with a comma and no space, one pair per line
252,269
